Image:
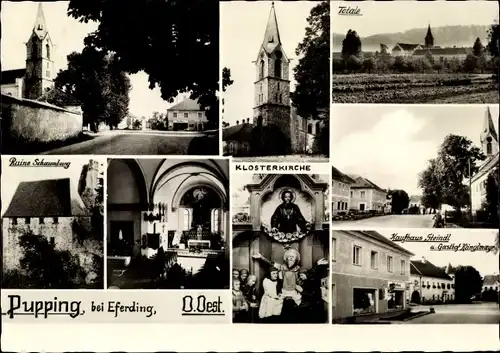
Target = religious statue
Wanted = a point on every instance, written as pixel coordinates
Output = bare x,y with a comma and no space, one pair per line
289,272
287,217
201,212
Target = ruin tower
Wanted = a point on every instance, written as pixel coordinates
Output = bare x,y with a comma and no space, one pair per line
272,85
39,59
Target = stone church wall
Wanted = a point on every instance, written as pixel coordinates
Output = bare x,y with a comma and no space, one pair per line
37,121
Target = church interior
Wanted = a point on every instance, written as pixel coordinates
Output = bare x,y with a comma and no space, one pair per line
168,223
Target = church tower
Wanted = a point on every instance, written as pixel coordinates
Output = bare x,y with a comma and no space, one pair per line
429,38
272,86
39,60
489,137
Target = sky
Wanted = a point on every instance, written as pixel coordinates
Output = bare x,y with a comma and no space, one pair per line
67,35
399,16
485,263
242,27
12,176
391,144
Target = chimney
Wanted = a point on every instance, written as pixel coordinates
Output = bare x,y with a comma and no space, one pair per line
423,260
237,122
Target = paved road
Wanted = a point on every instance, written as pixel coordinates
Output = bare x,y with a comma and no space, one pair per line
484,313
390,221
131,143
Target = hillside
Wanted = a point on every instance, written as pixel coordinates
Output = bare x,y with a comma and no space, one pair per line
445,36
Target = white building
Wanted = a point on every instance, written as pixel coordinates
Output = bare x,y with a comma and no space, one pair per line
430,283
187,115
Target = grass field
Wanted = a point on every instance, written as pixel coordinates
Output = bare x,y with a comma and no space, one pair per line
414,88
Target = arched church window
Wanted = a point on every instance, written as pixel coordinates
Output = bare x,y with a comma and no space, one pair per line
215,220
34,49
309,128
489,148
186,215
261,74
277,68
281,98
47,49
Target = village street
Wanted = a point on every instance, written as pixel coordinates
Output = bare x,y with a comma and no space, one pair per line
481,313
140,142
390,221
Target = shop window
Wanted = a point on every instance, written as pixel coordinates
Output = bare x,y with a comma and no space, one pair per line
363,301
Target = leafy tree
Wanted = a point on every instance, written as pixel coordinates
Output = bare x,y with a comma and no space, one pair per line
351,45
383,49
158,121
452,167
354,63
493,38
477,48
399,200
471,63
137,124
468,283
176,43
432,195
312,72
322,142
94,78
369,64
44,267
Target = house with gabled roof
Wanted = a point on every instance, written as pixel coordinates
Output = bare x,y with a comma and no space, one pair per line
491,282
187,115
44,207
430,283
341,191
366,195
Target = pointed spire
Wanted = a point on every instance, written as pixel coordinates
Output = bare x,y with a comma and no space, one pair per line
272,35
488,126
40,26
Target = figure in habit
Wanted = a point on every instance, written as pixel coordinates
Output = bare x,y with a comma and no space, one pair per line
289,273
287,217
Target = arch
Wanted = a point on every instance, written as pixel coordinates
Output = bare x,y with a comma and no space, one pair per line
415,297
182,190
283,181
261,69
318,128
47,50
137,174
214,169
489,148
277,68
34,48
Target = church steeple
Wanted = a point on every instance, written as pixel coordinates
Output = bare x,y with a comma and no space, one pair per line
429,38
489,137
272,34
40,26
39,58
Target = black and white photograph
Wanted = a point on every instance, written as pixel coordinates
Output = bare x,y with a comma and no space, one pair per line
275,57
76,80
280,248
52,223
167,224
415,166
396,277
445,52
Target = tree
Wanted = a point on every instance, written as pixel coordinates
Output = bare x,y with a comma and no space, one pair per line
158,121
369,64
94,78
383,49
477,48
471,63
322,141
176,43
432,196
351,45
312,72
400,200
44,267
468,283
452,167
354,63
493,39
